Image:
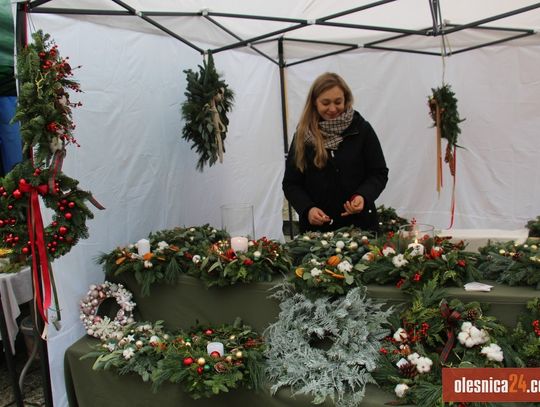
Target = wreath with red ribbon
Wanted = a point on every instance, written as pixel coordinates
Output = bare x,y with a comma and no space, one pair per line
44,112
20,189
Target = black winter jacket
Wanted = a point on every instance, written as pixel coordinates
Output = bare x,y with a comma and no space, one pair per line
356,167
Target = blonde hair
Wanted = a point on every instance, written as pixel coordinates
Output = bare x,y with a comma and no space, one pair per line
309,120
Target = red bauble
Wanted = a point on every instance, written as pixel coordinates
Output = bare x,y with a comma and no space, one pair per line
215,354
63,230
200,370
71,204
188,361
1,223
25,250
68,215
54,224
208,332
10,207
62,208
17,194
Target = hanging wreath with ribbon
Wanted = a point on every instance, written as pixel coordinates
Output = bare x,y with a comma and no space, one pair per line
44,112
443,110
209,99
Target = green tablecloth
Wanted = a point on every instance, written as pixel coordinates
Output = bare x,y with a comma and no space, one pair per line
188,302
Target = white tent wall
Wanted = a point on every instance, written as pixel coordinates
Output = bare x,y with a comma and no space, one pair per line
133,160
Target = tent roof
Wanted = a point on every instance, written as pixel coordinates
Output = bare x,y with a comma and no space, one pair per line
315,28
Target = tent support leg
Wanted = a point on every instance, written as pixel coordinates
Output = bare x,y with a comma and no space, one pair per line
284,119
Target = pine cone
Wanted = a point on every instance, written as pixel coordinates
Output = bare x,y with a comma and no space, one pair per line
533,363
472,314
408,370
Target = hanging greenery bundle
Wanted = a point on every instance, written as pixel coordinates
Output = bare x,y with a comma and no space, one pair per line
44,107
443,111
209,99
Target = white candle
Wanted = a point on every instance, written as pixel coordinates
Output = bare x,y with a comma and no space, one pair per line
239,244
417,248
143,247
215,347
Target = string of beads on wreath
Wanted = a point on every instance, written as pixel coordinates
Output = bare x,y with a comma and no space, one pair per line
45,115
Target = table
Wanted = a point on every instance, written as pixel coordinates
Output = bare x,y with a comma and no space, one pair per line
15,289
182,304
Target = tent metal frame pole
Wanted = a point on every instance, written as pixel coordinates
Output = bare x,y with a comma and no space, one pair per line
80,12
283,95
259,37
341,51
354,10
21,41
372,28
340,44
157,25
492,18
216,23
492,43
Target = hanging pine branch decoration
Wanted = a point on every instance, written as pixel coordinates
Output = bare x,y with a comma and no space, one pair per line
443,111
209,99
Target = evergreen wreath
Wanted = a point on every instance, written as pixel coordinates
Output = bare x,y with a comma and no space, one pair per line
158,356
209,99
65,199
443,99
354,325
105,327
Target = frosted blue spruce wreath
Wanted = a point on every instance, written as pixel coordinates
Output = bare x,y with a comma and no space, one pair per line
353,324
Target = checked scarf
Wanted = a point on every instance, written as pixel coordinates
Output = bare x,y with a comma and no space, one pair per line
331,130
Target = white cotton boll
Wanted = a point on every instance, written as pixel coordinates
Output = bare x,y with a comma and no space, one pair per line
493,352
413,357
369,256
400,335
148,264
196,259
423,364
344,266
340,244
256,254
399,261
387,251
401,389
315,272
324,243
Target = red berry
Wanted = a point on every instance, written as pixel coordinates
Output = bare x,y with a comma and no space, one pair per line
187,361
68,215
17,194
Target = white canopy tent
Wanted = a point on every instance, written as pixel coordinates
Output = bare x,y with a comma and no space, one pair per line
134,161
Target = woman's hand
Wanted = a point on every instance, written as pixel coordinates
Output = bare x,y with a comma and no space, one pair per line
317,217
355,205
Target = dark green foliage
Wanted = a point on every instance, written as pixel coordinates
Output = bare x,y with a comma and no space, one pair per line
204,89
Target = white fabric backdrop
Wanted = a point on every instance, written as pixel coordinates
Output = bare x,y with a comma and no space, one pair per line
133,159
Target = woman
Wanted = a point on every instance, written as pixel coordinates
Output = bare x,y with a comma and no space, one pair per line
335,168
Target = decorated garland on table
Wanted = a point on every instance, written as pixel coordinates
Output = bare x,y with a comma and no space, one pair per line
202,252
510,263
263,260
349,241
353,324
527,335
209,99
413,264
105,327
206,361
171,253
433,333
